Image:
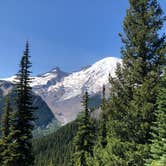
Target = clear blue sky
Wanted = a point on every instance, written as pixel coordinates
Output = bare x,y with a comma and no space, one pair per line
65,33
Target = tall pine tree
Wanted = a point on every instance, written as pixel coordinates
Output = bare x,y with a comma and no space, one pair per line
23,123
134,90
84,139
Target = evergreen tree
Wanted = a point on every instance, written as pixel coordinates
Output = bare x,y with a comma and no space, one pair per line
23,116
5,127
4,130
51,163
158,148
8,144
134,90
84,139
100,146
11,153
103,129
1,151
5,119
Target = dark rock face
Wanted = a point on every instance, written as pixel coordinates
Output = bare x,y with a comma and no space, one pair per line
43,114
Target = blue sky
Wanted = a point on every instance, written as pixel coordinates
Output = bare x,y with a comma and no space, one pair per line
65,33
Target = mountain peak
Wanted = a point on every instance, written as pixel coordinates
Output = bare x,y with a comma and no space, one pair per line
49,78
108,61
55,70
62,91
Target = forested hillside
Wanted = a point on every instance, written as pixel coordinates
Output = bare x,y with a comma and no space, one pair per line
56,147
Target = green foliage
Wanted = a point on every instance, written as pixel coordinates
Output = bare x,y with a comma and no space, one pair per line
132,127
134,91
158,148
22,119
56,147
103,121
85,137
5,128
8,143
1,151
5,119
52,127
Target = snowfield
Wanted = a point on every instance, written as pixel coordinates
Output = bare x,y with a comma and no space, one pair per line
62,91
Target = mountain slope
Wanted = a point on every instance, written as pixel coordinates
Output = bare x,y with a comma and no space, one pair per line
43,114
63,92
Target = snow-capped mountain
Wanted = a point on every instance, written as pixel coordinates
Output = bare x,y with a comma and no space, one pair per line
48,79
62,91
44,114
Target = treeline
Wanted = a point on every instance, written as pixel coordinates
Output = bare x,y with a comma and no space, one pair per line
17,121
132,127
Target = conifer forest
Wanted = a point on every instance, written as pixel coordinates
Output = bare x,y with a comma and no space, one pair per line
124,126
